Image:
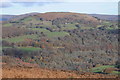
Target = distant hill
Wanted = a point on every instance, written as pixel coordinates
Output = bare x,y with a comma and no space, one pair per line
61,18
54,15
6,17
105,17
9,17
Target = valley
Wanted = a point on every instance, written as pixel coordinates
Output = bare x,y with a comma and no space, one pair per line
60,41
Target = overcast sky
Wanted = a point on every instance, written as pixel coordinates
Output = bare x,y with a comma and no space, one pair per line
90,7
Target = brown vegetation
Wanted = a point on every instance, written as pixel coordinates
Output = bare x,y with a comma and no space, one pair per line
18,72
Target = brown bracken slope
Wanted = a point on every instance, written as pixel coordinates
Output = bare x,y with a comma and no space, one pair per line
19,72
74,16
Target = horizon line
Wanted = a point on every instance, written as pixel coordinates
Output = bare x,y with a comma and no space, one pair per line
59,12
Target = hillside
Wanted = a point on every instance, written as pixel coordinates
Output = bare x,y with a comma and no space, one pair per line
61,41
9,17
51,16
55,15
18,72
6,17
106,17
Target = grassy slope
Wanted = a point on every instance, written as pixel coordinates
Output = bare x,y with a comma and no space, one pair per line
101,68
57,34
40,30
7,25
69,27
51,34
21,38
28,49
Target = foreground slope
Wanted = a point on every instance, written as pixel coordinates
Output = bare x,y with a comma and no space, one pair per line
19,72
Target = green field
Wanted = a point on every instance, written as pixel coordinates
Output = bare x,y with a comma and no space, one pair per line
27,19
116,72
69,28
56,34
102,68
0,49
87,27
40,30
6,47
7,25
21,38
107,23
99,26
47,23
51,34
112,28
28,49
70,25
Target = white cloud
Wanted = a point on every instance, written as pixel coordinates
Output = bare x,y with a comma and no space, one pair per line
5,4
9,3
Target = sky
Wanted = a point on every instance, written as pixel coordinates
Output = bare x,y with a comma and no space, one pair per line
89,7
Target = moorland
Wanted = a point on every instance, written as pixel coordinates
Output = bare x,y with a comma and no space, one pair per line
60,41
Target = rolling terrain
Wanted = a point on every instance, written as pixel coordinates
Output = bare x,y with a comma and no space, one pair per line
58,42
106,17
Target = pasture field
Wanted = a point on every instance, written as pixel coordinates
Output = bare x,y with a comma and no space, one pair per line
100,69
70,25
27,19
7,25
40,30
111,28
87,28
51,34
47,23
116,72
6,47
69,28
28,48
21,38
56,34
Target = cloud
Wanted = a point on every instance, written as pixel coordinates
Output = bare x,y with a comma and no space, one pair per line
30,4
5,4
24,4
